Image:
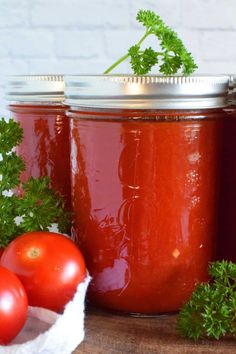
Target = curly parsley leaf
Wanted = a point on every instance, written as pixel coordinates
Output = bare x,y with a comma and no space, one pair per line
10,168
142,61
8,227
172,57
36,206
211,311
11,135
41,206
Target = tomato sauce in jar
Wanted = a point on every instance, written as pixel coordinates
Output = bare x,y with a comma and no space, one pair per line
227,236
36,103
145,186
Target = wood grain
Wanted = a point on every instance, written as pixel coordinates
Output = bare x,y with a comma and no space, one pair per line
107,333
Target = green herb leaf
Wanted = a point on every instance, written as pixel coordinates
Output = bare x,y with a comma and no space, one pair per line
8,227
10,168
11,135
211,311
38,206
173,56
149,19
142,61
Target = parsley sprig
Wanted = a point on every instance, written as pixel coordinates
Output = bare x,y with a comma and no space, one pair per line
211,311
172,57
37,207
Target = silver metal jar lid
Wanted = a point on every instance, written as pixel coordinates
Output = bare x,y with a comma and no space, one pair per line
146,92
232,89
35,88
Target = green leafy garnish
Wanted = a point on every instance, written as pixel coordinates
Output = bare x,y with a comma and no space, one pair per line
172,57
211,311
37,207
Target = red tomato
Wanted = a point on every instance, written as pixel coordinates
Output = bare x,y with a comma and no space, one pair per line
13,306
49,265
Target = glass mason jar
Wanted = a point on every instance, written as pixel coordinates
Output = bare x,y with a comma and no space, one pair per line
36,103
227,236
145,157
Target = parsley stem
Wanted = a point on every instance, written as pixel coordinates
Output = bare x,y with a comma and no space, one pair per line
116,63
119,61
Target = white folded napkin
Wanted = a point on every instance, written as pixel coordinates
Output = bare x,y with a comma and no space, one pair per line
46,332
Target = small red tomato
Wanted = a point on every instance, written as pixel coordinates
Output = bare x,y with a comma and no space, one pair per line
13,306
49,265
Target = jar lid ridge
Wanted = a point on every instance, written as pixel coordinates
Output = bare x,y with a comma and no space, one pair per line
146,92
35,88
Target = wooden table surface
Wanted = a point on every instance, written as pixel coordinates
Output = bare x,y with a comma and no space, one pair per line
107,333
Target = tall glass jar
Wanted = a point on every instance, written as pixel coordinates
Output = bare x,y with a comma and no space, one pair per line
145,157
36,103
227,236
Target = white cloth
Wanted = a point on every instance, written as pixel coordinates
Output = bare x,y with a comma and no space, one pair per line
46,332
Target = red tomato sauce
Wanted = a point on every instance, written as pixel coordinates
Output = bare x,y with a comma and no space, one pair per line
45,147
145,198
227,237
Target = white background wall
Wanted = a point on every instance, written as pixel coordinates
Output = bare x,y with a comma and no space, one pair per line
86,36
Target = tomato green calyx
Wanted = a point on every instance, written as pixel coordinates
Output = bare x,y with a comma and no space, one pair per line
33,252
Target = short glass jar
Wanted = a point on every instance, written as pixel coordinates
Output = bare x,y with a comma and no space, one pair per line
35,101
145,155
226,248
